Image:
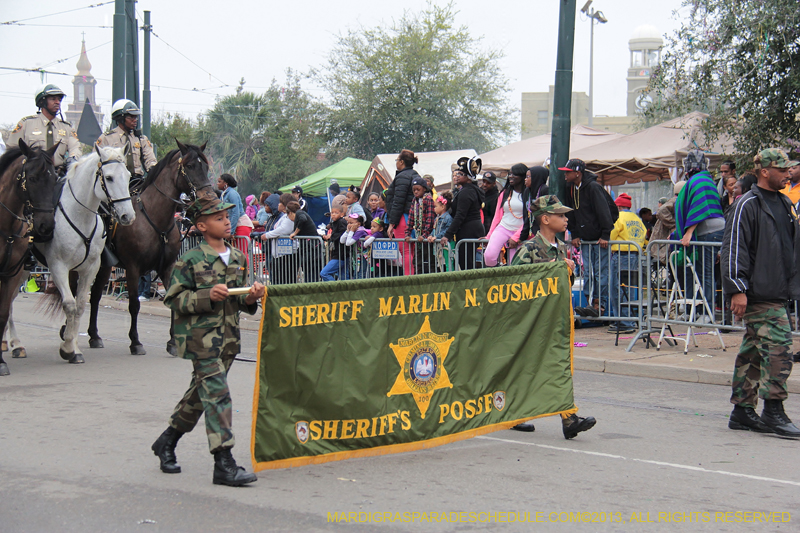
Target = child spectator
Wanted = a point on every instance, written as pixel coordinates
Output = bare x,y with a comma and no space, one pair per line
421,217
337,226
377,231
351,199
443,219
545,247
207,333
352,239
375,207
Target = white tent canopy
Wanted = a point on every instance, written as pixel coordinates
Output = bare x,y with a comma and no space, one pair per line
536,150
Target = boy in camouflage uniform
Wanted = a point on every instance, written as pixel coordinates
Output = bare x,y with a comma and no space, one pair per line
207,333
759,264
545,247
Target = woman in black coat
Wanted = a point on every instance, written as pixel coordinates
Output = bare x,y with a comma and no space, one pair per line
466,210
398,202
310,254
535,186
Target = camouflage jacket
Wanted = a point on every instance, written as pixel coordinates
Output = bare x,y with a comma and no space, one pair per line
206,329
538,250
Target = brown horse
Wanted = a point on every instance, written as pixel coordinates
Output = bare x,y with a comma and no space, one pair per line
27,182
153,241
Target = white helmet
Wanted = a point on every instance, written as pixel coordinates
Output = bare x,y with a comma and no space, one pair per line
124,107
47,90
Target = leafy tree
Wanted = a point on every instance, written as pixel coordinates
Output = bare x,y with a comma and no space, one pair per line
169,126
266,140
420,83
740,63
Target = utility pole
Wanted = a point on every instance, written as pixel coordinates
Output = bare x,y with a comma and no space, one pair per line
562,98
599,17
146,88
118,76
131,53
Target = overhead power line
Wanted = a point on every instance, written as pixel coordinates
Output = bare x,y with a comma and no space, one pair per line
188,59
12,22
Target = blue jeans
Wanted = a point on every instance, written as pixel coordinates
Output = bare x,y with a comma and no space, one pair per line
627,262
705,266
334,267
144,285
595,268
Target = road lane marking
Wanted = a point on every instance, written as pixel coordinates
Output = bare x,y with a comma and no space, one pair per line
647,461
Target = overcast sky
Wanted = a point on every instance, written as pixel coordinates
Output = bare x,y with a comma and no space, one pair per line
258,40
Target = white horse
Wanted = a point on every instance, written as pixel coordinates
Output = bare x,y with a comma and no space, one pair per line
79,235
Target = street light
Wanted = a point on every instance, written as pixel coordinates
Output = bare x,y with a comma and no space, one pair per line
594,16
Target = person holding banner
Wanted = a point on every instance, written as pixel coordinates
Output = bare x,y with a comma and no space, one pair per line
545,247
207,333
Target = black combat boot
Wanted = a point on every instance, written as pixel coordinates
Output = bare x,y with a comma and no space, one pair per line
774,417
746,418
164,449
226,472
575,424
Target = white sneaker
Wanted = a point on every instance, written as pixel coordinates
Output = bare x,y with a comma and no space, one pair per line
144,299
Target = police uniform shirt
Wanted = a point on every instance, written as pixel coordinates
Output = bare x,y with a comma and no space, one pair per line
34,131
141,149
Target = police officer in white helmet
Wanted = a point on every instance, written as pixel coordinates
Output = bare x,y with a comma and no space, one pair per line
140,156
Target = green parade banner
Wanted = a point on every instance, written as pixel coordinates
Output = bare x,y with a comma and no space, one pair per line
371,367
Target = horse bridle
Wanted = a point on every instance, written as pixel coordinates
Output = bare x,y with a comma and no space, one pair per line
100,175
192,188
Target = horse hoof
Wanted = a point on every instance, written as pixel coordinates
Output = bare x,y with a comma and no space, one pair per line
64,355
4,369
19,353
138,350
96,343
172,350
61,331
77,359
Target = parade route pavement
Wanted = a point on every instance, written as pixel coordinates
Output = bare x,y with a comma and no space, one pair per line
75,453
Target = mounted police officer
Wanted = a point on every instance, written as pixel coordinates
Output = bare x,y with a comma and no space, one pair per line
140,152
44,130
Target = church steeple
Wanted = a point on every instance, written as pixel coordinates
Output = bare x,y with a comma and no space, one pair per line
84,85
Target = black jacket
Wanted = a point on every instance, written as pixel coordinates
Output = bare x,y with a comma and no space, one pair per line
399,195
591,218
303,221
751,256
467,214
337,229
489,207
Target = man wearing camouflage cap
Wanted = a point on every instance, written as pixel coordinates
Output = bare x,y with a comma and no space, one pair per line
759,263
207,333
545,247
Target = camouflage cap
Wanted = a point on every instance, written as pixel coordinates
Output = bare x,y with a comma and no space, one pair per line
773,157
548,205
206,205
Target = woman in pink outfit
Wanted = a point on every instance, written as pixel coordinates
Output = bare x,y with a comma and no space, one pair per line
507,222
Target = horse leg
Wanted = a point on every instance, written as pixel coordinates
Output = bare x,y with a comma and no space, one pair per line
73,286
133,275
99,285
68,349
8,291
17,349
165,276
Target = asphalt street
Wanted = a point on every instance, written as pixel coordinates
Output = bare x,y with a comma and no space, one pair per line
75,456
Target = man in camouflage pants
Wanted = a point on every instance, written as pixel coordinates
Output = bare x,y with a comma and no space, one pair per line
207,333
759,263
545,247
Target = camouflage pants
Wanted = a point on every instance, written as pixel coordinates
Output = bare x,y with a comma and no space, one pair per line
764,361
208,393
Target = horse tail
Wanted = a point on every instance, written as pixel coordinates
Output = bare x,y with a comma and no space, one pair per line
51,302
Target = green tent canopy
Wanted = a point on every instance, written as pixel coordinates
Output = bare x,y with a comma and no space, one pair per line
348,171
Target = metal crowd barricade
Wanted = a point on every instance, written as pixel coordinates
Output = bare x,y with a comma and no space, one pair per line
683,289
469,254
615,279
384,258
285,260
